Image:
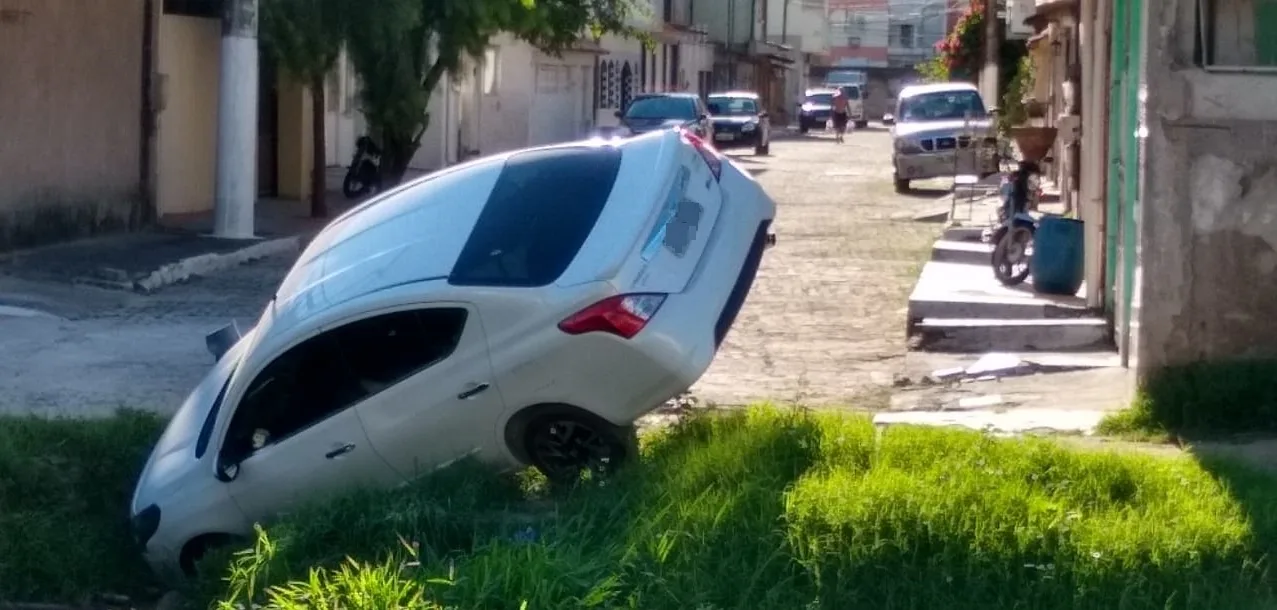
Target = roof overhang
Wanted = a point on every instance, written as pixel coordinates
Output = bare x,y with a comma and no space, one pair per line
1048,11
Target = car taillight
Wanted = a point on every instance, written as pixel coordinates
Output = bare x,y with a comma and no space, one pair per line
707,153
623,315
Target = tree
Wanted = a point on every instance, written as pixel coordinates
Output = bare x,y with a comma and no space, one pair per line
403,49
305,38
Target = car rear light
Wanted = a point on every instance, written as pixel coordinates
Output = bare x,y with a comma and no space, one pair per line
710,156
623,315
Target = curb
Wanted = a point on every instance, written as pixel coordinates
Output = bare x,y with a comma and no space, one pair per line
202,264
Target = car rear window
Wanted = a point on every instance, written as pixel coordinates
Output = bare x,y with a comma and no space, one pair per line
853,93
543,207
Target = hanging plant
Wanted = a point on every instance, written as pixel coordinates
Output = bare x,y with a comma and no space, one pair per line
962,51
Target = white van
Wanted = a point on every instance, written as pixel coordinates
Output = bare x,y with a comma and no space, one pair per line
855,104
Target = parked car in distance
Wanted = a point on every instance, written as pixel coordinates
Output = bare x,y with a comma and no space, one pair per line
653,111
941,130
855,105
524,309
816,109
740,121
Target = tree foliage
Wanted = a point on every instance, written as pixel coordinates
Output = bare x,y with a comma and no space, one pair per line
403,49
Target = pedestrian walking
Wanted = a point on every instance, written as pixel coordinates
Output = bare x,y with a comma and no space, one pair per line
839,114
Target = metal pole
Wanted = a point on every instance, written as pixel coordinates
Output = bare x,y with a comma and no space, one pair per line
235,191
784,22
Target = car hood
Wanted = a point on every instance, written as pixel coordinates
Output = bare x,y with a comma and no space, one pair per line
174,454
940,128
643,125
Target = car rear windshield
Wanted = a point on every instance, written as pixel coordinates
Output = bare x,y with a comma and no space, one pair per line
543,207
732,106
662,107
826,99
852,93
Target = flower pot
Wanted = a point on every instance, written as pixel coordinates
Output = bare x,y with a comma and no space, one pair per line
1034,142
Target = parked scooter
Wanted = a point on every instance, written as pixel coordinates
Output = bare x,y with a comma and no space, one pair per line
1016,227
364,174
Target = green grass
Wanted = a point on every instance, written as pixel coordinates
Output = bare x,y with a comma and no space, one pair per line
1202,400
781,509
65,486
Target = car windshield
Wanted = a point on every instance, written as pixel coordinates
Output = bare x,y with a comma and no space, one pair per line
942,106
852,93
821,99
732,106
662,107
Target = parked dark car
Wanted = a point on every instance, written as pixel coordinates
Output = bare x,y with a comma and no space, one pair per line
818,105
656,111
740,121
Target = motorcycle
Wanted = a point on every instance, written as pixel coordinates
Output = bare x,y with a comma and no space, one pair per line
1015,229
364,174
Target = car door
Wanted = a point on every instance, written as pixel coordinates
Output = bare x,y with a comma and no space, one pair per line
440,402
294,436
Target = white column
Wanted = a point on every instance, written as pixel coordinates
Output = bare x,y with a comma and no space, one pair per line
235,193
1095,158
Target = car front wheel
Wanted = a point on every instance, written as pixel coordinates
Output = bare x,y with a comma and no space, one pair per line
902,184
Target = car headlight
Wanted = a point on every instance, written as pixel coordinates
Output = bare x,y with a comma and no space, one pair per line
907,146
808,107
748,127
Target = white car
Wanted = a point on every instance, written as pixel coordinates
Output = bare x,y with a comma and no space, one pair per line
526,308
941,130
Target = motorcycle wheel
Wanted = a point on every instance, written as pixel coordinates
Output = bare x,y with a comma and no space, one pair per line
352,187
1011,256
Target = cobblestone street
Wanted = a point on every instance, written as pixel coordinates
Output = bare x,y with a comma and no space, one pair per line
824,324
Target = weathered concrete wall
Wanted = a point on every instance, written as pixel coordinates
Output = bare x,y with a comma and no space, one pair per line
1208,224
71,118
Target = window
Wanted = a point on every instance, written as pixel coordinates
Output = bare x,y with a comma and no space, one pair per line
337,369
211,9
942,106
543,207
1237,34
906,35
491,67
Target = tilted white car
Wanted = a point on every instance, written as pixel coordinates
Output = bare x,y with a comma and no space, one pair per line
526,308
939,131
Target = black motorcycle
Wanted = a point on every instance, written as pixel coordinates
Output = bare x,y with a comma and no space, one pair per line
364,174
1014,233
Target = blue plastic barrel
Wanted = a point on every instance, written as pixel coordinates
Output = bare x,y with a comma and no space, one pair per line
1058,264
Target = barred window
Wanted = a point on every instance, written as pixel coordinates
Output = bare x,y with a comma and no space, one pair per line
1237,35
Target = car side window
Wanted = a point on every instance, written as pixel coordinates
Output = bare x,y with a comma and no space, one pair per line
334,370
385,350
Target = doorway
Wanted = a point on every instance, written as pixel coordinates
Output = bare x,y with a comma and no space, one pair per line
267,127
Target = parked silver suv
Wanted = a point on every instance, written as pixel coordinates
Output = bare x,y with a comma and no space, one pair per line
941,130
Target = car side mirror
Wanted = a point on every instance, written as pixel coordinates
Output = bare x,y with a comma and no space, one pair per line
227,469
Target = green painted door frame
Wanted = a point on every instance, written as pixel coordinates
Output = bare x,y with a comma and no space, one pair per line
1117,118
1125,172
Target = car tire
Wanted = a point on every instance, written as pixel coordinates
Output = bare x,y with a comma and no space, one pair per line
197,548
803,128
612,446
902,185
862,124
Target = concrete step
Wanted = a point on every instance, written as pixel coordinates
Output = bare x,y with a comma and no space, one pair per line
973,253
977,335
992,308
964,234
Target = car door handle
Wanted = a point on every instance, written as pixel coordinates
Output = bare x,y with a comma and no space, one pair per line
472,392
340,451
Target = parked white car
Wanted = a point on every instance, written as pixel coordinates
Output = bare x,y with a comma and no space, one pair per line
941,130
526,308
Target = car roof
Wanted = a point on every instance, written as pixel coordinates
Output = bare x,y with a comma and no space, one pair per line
745,94
412,234
913,90
666,94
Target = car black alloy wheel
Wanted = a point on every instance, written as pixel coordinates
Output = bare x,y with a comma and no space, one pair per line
565,448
